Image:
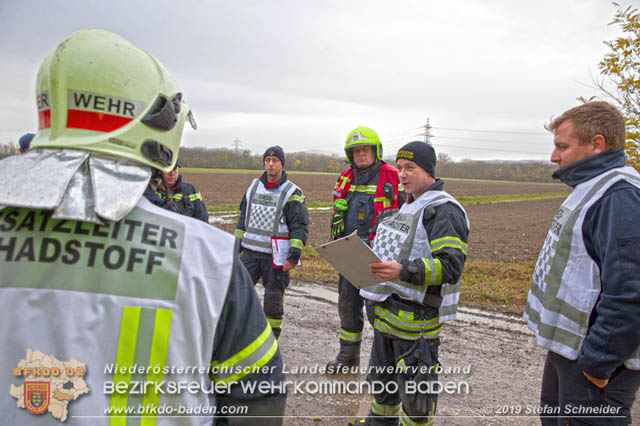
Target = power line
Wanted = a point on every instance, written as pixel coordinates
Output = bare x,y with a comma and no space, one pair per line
489,149
236,144
490,131
486,140
473,147
427,132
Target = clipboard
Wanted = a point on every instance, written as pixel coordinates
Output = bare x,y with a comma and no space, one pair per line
280,251
351,257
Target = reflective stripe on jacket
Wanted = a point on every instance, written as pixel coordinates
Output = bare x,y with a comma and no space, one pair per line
402,236
121,301
566,281
380,202
264,215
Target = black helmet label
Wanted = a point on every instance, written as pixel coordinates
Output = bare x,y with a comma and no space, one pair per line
99,112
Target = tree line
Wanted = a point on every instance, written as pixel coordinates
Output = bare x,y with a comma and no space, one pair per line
223,158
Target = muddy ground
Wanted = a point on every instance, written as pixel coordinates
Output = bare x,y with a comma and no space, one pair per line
502,232
504,378
228,188
505,364
509,232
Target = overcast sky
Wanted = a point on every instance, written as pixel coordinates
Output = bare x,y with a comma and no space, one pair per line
303,73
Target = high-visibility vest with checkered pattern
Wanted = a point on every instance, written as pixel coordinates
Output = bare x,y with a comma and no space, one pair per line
402,236
125,326
566,280
264,215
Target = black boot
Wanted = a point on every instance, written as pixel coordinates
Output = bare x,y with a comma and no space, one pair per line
348,356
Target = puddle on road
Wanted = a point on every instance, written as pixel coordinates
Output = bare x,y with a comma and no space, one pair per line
226,218
466,316
494,320
316,292
223,218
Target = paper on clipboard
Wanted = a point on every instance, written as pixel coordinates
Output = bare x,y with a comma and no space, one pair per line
280,250
351,257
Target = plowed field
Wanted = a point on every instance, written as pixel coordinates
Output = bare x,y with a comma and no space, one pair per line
503,232
228,188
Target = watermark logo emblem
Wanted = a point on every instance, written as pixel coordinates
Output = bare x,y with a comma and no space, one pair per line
50,385
36,396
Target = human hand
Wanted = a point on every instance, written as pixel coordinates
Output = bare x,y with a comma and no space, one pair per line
598,382
288,266
388,271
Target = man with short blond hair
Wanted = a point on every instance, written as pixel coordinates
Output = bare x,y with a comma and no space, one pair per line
594,118
584,301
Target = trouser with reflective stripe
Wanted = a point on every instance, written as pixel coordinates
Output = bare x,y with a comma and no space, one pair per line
565,390
350,305
410,361
275,281
143,341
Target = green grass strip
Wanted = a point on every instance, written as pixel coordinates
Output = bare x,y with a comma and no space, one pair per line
300,172
474,199
496,286
508,198
234,208
246,171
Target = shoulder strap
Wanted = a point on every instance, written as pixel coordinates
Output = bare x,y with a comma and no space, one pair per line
343,184
187,191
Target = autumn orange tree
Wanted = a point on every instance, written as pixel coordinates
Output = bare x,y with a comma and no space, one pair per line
620,71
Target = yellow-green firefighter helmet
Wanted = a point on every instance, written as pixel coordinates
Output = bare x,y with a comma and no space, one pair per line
362,136
98,92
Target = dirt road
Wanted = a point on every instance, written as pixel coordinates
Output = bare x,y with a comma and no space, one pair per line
504,378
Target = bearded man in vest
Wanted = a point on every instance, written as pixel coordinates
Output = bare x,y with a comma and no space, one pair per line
272,229
422,249
584,301
364,194
122,298
182,197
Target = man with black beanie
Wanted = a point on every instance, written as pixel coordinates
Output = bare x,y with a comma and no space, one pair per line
423,249
272,229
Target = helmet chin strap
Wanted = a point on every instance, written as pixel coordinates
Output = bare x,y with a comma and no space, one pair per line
166,187
159,179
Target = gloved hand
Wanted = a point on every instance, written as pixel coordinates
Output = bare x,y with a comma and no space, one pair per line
337,223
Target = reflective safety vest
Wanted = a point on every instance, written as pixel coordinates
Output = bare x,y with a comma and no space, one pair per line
120,304
402,236
264,215
182,199
380,202
566,281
